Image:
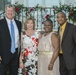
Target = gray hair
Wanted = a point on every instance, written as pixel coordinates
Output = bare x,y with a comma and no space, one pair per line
10,5
62,13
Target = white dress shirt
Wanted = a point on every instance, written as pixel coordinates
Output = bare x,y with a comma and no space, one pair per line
16,31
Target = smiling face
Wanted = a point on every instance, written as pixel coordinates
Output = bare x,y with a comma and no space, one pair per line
30,24
61,18
48,26
10,12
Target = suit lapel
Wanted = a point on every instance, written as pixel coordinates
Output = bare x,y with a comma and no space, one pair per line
6,27
17,25
65,32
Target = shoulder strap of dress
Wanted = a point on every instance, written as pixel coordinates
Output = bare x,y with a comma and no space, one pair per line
52,33
50,37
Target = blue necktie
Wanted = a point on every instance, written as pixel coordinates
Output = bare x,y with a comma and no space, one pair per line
12,38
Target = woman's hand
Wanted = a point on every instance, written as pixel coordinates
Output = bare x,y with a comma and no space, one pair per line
21,65
50,67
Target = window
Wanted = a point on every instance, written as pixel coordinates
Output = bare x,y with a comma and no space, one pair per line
3,3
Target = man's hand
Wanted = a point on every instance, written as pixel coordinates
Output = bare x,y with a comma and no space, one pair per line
0,59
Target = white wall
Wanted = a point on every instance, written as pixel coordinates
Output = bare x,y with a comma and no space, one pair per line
19,1
72,2
50,3
31,3
45,3
34,3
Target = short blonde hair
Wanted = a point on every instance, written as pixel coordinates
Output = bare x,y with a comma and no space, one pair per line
28,19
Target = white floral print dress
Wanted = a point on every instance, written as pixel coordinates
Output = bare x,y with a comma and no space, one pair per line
30,53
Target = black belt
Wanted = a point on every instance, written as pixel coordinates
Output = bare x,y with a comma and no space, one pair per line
16,48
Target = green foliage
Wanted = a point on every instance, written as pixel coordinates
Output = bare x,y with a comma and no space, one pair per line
18,8
72,14
71,10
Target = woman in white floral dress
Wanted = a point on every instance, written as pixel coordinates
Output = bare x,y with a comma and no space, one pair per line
29,52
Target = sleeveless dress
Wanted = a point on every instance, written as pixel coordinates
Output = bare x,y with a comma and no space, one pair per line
30,53
45,54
